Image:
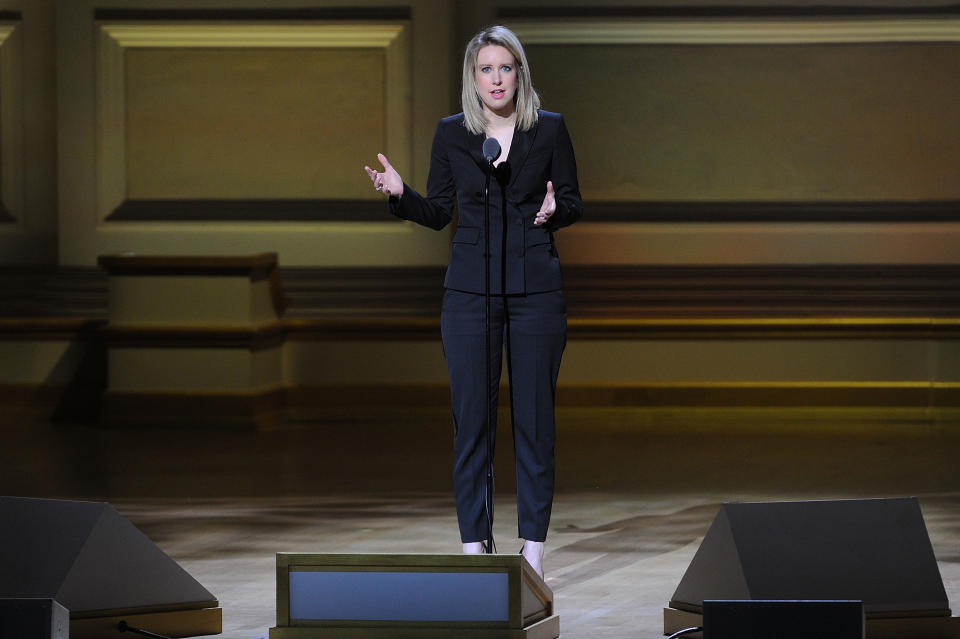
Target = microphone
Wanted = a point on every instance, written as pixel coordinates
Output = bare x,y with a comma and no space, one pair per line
491,150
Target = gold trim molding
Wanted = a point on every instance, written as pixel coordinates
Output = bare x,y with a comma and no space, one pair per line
113,39
294,36
11,118
736,31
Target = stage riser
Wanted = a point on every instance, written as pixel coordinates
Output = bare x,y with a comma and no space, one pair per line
200,339
309,363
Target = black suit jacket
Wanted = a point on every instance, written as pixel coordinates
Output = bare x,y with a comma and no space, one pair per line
523,256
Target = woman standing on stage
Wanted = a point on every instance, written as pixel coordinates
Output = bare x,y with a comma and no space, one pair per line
533,193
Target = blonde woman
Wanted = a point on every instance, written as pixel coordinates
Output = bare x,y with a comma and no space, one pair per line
534,193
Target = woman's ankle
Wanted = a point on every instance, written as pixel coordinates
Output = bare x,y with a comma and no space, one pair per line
474,548
532,551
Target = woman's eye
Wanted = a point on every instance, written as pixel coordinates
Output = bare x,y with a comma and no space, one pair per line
506,68
484,69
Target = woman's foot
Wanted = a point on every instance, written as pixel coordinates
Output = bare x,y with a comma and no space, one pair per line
532,551
474,548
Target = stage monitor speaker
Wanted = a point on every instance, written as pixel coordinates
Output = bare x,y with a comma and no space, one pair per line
100,567
873,550
783,619
33,619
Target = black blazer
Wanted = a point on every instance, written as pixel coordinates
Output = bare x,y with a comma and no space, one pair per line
529,263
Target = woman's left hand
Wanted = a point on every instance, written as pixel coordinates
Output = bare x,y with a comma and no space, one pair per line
548,207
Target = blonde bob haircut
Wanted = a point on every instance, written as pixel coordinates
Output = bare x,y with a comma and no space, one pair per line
526,100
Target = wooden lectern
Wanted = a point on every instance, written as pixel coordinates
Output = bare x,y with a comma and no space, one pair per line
375,596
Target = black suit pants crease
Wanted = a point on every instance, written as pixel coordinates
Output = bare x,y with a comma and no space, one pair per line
533,331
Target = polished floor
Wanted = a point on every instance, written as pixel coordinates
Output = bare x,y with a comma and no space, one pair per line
636,492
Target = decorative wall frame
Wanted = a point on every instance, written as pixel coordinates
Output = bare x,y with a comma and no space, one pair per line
11,121
746,26
116,38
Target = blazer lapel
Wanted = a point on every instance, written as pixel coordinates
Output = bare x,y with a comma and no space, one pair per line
519,149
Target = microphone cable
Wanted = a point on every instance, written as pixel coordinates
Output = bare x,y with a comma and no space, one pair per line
123,626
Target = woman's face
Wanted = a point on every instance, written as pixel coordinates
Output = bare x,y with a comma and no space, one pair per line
496,78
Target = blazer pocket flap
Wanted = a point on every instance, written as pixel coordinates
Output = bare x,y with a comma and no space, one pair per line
537,235
466,235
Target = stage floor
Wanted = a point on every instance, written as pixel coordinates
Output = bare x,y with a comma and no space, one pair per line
636,492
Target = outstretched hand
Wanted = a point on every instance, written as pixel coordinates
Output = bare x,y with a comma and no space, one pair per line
548,207
387,181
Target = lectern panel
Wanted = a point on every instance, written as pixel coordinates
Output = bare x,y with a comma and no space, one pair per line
399,596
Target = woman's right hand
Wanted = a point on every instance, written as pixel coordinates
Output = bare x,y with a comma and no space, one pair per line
387,181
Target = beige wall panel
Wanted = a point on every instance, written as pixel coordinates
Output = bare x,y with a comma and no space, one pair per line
183,369
221,110
252,123
38,362
759,243
28,133
327,362
93,99
646,361
789,110
752,361
179,300
297,244
11,117
946,361
765,122
267,367
261,301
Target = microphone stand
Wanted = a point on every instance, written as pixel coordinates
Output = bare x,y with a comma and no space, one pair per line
487,350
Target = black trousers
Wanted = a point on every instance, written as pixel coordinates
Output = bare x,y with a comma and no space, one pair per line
533,331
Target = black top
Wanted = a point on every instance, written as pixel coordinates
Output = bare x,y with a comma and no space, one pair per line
457,175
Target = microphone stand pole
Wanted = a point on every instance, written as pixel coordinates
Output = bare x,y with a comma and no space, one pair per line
487,351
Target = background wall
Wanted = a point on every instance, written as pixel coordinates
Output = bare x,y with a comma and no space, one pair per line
739,161
240,128
28,133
